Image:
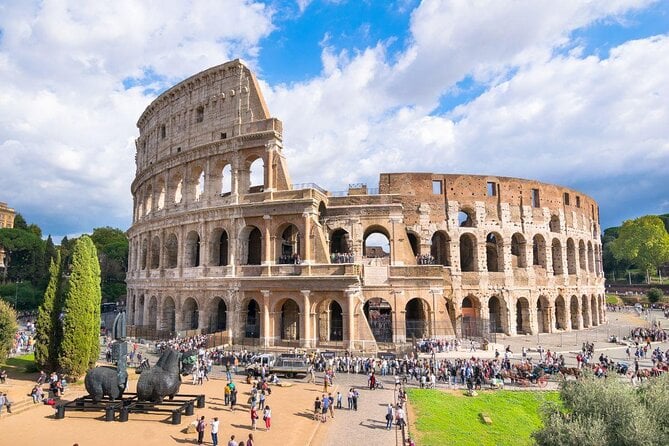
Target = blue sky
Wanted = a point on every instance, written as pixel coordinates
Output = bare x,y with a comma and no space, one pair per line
574,93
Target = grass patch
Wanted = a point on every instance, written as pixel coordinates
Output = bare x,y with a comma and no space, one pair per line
612,299
452,418
21,364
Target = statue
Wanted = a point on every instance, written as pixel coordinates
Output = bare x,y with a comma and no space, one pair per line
109,381
161,380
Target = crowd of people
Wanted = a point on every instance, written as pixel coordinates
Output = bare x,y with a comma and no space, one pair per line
342,257
425,259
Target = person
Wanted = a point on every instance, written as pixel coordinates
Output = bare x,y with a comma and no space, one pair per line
267,416
200,430
356,395
331,405
254,417
339,399
399,414
214,431
250,441
372,381
389,416
233,398
232,441
317,408
3,376
2,401
261,401
37,394
324,411
227,394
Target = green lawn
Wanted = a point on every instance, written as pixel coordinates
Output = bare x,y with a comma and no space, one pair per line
21,364
454,419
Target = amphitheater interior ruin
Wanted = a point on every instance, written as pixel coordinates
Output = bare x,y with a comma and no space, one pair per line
222,241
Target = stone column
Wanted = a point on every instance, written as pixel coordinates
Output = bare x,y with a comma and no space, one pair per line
202,315
266,337
350,333
267,236
269,166
305,337
307,237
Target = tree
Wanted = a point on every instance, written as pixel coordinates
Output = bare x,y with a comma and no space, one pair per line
8,327
607,412
654,295
643,242
26,261
47,335
80,347
112,246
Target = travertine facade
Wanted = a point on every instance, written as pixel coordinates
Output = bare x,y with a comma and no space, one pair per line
7,215
212,244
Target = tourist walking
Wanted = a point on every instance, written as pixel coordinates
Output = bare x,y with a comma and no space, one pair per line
214,431
233,398
200,430
389,416
254,417
267,417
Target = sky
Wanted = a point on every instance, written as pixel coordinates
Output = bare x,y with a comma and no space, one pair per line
571,92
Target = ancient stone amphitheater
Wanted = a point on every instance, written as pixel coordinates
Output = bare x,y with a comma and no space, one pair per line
223,242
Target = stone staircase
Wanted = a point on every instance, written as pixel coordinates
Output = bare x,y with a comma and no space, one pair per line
18,405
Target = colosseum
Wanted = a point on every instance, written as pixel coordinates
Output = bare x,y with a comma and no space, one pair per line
222,241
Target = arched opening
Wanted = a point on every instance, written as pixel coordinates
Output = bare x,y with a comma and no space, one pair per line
560,314
148,203
573,309
539,251
254,247
494,250
582,256
543,315
465,218
556,255
593,311
168,316
152,317
256,176
571,257
414,241
591,258
471,317
178,191
290,245
226,180
518,251
290,321
336,328
339,247
145,253
192,250
218,316
379,317
322,213
252,320
440,249
523,316
585,311
468,258
219,248
495,315
376,243
172,248
416,319
139,311
161,195
199,186
554,224
155,252
190,314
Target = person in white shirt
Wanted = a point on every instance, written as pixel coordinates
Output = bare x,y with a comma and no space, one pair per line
214,431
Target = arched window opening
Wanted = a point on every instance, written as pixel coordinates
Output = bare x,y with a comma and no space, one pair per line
416,319
471,317
290,245
256,176
322,213
468,258
192,250
254,255
190,314
155,252
465,219
440,249
149,200
495,315
518,251
252,320
172,247
219,317
556,255
539,251
376,243
226,180
543,315
168,317
219,248
582,256
585,311
178,192
571,257
290,321
523,316
591,258
594,314
560,314
415,243
336,332
145,253
161,197
494,252
340,251
152,317
573,309
379,317
554,224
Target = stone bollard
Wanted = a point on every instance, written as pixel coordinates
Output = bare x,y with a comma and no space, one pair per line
60,412
200,401
176,416
190,408
123,414
109,413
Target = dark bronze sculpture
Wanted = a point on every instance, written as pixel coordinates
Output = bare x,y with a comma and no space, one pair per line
109,381
161,380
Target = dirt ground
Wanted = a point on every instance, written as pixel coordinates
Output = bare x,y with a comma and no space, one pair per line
292,422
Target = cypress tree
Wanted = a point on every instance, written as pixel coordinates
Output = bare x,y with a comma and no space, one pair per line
46,338
81,311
